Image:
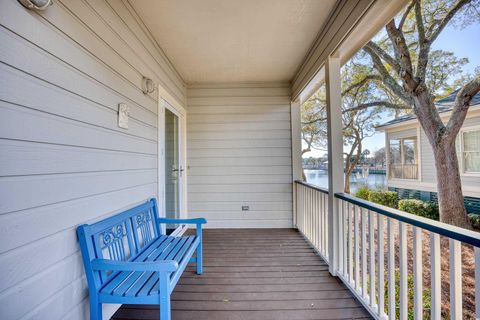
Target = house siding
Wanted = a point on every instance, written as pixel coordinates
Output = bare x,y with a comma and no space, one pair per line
470,183
63,160
239,154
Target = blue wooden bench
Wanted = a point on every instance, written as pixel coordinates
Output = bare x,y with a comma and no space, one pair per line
127,259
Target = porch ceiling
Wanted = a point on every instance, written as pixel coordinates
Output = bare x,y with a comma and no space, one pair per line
235,41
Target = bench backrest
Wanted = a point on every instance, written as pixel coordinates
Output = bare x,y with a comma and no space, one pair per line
119,237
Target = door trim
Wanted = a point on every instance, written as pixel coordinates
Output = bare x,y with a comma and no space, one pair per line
178,109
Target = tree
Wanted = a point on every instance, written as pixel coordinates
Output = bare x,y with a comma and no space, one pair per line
357,123
380,157
406,65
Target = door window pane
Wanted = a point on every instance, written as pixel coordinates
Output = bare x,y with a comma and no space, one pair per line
171,165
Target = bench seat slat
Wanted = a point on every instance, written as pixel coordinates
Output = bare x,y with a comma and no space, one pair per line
147,288
125,280
119,278
139,279
144,276
176,255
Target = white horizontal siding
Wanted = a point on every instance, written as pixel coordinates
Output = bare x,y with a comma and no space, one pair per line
428,171
239,154
63,159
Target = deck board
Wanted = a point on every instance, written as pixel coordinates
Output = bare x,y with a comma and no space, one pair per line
256,274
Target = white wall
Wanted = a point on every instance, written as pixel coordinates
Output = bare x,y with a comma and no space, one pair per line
63,160
239,153
470,182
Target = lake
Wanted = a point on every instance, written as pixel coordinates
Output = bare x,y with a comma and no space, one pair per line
320,178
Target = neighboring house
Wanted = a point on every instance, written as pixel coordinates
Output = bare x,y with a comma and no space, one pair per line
410,161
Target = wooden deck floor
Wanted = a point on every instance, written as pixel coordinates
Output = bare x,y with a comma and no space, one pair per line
256,274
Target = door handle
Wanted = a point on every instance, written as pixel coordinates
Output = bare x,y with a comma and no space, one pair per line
179,170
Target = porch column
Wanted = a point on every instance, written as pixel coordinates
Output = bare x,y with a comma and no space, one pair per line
295,123
335,154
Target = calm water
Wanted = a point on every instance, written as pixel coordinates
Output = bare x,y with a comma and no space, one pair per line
320,178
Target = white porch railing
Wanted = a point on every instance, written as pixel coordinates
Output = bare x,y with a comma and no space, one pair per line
312,216
380,248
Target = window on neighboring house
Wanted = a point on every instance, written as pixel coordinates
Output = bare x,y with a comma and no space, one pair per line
468,150
403,158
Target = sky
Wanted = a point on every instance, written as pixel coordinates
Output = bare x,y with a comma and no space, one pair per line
463,42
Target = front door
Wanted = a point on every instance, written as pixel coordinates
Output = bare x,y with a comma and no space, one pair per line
173,167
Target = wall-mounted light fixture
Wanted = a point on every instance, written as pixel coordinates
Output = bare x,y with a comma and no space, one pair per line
148,86
38,5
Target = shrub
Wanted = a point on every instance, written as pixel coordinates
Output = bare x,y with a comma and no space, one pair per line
362,193
385,198
427,297
474,220
420,208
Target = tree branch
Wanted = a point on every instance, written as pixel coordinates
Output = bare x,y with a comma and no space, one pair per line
405,15
385,104
386,77
448,17
460,109
423,43
360,83
402,53
384,55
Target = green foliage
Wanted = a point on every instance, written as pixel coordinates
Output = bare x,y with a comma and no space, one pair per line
362,193
474,220
427,297
420,208
385,198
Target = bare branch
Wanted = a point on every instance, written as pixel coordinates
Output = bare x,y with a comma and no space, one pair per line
372,104
462,103
384,55
361,83
423,43
386,77
405,15
448,17
402,53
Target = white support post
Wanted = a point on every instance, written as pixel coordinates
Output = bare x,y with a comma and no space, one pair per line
335,154
295,124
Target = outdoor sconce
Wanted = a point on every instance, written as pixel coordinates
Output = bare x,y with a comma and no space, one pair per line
38,5
147,85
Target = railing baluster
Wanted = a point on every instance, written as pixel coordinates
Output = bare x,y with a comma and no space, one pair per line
477,283
455,280
318,214
371,239
357,251
436,288
345,237
381,266
340,233
391,270
417,273
363,214
403,272
350,242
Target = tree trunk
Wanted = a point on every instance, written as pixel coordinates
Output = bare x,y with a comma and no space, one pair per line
449,186
348,173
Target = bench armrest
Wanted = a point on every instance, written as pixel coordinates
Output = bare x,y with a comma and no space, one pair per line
183,221
105,264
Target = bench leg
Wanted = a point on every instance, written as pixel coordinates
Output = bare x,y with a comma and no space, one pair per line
199,258
95,309
164,286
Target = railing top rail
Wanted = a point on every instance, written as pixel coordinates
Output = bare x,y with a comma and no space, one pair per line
457,233
306,184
